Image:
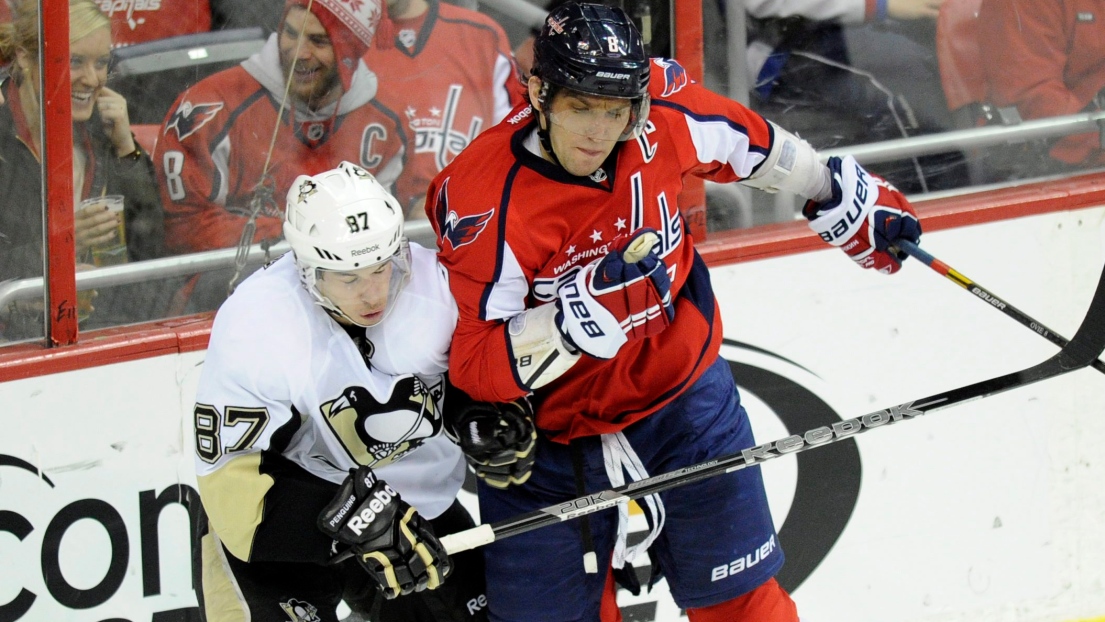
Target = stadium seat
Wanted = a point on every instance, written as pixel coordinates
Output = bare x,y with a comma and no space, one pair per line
146,135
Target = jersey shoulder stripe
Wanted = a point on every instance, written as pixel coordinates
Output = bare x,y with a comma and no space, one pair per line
733,124
393,117
500,238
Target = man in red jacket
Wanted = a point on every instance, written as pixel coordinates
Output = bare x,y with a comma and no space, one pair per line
238,138
233,142
1047,58
450,74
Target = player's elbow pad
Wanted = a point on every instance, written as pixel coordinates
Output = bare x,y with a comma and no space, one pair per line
792,165
538,347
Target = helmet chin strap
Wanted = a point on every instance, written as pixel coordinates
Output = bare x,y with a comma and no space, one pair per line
543,124
331,309
340,315
546,142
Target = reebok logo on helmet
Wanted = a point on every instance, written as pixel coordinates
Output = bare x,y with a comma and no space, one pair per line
364,251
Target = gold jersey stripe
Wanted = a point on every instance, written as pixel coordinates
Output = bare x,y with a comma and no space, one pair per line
234,498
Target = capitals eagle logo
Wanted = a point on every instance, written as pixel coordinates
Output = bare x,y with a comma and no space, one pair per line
190,117
459,231
675,76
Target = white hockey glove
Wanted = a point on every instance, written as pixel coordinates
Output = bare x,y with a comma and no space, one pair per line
624,295
388,537
498,440
864,217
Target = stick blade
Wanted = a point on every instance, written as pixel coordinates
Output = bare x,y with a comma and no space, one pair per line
1089,342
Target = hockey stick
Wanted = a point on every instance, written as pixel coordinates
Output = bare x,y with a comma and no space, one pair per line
1086,347
984,294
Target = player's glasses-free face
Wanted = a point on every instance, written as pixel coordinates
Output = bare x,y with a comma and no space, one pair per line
597,124
598,118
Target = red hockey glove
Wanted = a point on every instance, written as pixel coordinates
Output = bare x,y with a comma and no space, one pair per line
498,440
624,295
864,217
387,536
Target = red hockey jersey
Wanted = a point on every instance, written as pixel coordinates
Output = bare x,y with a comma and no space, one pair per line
512,227
139,21
449,81
213,147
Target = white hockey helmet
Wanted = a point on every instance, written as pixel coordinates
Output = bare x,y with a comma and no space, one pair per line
344,220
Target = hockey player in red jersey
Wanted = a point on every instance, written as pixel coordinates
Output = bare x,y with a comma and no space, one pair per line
233,142
577,282
450,75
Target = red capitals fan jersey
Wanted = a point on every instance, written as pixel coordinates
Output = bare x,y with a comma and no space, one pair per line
449,81
512,227
213,147
138,21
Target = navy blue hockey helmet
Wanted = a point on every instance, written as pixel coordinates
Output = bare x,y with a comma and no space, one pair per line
592,49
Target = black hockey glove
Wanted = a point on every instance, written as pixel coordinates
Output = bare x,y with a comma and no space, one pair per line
498,439
387,536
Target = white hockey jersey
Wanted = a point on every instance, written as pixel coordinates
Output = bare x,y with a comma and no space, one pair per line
288,403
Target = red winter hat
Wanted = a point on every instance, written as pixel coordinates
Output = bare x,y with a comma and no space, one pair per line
351,26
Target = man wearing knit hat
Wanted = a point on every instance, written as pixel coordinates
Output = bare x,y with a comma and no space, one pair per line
238,138
349,29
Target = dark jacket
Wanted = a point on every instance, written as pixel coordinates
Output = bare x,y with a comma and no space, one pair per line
21,220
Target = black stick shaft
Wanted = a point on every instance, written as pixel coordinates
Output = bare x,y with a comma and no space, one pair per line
1082,351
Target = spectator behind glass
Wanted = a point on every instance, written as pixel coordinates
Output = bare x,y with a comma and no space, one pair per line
806,52
106,161
1047,58
844,72
232,143
451,73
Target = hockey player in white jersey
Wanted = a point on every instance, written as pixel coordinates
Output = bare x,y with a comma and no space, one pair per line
318,424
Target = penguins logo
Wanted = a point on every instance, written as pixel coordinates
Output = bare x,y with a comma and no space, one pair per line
380,432
306,189
300,611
